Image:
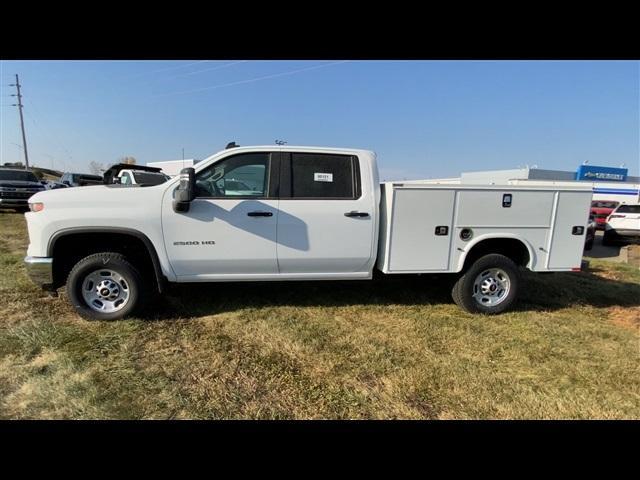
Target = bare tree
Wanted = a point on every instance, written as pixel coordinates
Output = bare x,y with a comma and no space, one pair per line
96,168
128,160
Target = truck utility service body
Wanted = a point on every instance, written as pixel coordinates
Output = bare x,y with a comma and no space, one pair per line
297,213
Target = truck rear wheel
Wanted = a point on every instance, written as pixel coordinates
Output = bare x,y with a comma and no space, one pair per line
105,286
489,286
588,245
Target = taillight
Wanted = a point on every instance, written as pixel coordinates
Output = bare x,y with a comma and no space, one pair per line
36,206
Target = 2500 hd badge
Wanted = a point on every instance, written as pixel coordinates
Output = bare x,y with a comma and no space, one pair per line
195,242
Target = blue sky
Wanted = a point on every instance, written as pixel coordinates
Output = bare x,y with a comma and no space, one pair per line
425,119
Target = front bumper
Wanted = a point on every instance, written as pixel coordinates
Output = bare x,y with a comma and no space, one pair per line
13,202
40,270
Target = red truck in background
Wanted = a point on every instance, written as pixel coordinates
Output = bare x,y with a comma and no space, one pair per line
601,209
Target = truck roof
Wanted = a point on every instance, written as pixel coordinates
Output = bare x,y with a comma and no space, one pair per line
285,148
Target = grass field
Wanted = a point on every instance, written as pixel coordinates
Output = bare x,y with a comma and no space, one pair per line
392,348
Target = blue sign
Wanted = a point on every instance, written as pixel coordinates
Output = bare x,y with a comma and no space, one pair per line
593,173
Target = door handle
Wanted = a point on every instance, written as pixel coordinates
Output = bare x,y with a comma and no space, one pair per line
260,214
353,213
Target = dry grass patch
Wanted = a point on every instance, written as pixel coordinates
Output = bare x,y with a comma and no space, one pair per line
633,255
392,348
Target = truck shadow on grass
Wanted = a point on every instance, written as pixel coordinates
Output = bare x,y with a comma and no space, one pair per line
537,293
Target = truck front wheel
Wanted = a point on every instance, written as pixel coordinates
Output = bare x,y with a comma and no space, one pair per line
489,286
105,286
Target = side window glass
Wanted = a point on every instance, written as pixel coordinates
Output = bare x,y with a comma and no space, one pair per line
322,176
243,175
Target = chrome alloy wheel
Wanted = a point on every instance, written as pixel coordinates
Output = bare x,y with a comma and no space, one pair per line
491,287
105,291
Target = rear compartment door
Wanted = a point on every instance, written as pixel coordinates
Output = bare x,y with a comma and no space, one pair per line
566,247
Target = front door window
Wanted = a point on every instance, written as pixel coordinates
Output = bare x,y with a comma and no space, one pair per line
241,176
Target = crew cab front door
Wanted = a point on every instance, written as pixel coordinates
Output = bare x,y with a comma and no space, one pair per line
230,228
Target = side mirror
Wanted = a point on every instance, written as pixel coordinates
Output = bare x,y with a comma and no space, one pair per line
66,182
117,180
185,193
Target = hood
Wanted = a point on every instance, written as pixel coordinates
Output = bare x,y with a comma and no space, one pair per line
97,196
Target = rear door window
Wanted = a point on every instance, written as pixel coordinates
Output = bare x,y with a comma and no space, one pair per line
324,176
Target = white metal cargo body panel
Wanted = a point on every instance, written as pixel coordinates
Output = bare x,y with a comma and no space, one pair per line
563,253
413,242
540,218
483,208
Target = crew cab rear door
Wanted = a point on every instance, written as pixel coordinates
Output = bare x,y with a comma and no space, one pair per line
326,217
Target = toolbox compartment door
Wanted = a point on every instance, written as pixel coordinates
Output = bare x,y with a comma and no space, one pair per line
415,245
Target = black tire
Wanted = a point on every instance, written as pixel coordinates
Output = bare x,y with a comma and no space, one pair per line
463,290
588,245
134,281
607,238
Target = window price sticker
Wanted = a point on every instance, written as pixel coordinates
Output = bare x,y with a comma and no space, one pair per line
323,177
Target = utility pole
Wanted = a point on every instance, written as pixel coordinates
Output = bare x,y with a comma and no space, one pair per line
19,105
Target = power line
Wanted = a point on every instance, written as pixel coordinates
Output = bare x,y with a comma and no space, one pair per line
175,67
46,132
265,77
208,69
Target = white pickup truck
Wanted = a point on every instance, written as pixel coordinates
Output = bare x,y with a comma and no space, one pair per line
297,213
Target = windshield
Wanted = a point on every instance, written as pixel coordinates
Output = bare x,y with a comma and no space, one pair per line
22,176
149,178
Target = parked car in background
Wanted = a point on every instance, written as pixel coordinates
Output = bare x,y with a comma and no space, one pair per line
52,185
623,224
126,174
80,179
135,177
591,233
601,209
173,167
17,185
